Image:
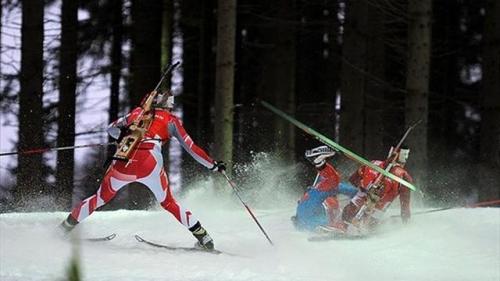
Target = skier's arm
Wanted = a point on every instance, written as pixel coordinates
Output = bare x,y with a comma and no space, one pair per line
347,189
328,178
176,129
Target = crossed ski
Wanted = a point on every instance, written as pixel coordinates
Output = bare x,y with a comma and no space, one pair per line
157,245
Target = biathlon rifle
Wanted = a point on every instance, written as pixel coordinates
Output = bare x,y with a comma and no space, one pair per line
143,121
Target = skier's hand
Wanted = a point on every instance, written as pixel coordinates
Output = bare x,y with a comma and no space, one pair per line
114,132
219,166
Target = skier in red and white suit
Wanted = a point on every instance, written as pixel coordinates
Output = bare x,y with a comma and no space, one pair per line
146,166
389,190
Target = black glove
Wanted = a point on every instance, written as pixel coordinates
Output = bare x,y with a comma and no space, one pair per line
219,166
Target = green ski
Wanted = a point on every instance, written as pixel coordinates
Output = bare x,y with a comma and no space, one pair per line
335,145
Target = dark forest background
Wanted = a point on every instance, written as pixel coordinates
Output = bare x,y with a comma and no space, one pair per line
360,72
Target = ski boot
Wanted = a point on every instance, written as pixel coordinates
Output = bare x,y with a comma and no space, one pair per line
67,225
204,240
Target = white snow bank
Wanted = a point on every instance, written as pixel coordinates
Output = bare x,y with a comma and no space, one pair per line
458,244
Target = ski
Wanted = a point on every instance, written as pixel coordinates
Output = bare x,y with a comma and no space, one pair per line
334,236
337,236
175,248
336,146
97,239
326,233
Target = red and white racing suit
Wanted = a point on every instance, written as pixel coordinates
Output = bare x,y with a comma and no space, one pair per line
364,177
146,166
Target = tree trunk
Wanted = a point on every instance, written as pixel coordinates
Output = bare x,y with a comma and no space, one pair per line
277,80
166,58
490,113
312,78
362,95
67,99
224,81
189,25
145,70
353,77
116,64
205,73
145,60
417,84
373,147
318,64
331,53
352,81
30,176
166,37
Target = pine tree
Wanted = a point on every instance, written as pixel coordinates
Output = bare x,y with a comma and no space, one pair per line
490,113
30,176
373,127
224,80
116,62
278,56
145,69
354,52
67,102
417,83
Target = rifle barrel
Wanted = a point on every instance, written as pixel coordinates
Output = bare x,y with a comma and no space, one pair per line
167,71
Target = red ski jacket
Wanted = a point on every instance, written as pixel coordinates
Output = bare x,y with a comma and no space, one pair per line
365,176
164,126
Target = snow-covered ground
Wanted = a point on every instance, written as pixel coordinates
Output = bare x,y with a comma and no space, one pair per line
457,244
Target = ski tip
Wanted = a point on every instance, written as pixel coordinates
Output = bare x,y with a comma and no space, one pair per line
138,238
105,238
112,236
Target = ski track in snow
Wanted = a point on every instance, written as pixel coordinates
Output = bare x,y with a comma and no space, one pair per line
457,244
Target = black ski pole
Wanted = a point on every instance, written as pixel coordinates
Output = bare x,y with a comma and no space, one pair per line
475,205
45,149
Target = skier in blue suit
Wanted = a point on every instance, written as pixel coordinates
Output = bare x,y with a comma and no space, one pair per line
319,204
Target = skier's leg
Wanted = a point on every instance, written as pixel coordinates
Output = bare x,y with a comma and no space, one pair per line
184,216
332,210
353,207
111,183
157,182
331,205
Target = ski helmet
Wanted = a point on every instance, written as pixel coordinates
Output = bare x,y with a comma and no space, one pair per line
164,100
318,155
